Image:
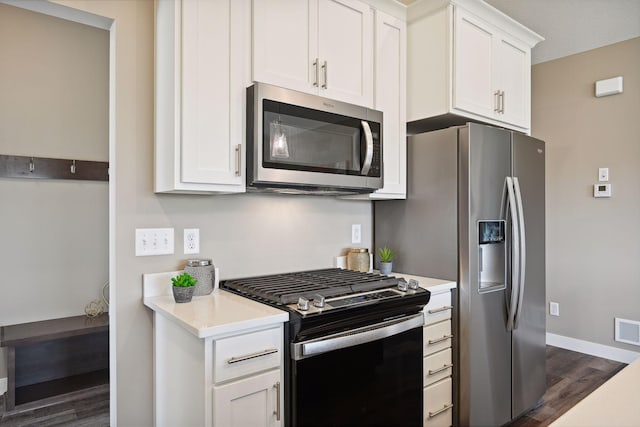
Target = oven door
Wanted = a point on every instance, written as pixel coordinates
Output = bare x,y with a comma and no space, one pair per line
370,376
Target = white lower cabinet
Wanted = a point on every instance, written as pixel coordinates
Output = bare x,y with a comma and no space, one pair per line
253,401
438,361
229,380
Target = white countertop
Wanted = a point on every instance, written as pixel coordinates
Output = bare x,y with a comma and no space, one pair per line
435,286
223,312
615,403
216,314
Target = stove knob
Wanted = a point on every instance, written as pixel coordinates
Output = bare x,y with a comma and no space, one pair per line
413,284
402,285
318,301
303,304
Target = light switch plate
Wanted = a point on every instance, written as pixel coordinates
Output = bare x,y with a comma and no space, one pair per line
603,174
154,241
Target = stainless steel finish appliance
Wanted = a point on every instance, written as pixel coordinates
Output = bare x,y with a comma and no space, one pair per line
298,142
475,214
353,346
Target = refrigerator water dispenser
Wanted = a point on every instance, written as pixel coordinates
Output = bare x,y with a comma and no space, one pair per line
492,270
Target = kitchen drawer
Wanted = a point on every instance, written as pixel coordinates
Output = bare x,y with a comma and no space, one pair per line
436,337
438,309
437,366
437,404
246,354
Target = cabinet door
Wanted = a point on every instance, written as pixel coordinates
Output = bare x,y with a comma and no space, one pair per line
211,104
345,50
390,98
513,65
200,76
285,43
253,401
473,89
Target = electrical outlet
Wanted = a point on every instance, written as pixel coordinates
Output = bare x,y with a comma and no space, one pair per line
554,309
154,241
191,241
356,233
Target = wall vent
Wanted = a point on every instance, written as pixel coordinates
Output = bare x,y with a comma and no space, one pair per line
627,331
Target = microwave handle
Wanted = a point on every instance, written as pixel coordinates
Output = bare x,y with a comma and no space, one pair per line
368,157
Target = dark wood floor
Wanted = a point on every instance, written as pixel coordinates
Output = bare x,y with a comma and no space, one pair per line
86,409
571,376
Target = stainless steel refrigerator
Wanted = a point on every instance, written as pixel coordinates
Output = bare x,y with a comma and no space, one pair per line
475,213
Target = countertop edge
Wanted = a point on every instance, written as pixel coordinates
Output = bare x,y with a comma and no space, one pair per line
222,328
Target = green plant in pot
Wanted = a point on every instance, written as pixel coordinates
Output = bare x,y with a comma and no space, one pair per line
183,287
386,258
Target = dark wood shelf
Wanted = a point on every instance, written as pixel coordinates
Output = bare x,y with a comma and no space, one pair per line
46,330
49,359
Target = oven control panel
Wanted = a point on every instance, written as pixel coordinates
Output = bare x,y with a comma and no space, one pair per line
319,303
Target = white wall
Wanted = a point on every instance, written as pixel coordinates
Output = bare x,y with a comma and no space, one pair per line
593,245
244,234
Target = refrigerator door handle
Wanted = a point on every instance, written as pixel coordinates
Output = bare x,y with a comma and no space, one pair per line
512,302
523,252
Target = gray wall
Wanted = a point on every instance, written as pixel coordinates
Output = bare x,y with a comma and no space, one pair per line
593,245
244,234
54,103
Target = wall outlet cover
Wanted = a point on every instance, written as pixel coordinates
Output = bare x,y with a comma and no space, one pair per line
191,241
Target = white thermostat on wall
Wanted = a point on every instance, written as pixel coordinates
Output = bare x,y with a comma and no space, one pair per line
601,190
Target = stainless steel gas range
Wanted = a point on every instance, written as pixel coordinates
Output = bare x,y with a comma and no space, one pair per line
353,345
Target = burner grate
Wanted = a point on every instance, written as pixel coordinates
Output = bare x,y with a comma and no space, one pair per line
331,282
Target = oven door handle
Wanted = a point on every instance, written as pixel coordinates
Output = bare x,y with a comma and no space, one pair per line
355,337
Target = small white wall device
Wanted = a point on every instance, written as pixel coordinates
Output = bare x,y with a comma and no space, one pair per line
612,86
601,190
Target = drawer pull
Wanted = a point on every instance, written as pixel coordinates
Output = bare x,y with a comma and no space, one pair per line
438,310
277,411
436,341
439,411
444,368
252,355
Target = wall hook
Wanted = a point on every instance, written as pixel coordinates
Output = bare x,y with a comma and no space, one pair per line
32,166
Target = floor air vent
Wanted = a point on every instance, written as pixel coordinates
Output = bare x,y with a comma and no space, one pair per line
628,331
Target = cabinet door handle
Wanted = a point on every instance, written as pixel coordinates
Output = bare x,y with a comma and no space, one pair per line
444,338
502,102
238,160
325,68
439,411
496,101
437,371
438,310
277,411
266,352
316,75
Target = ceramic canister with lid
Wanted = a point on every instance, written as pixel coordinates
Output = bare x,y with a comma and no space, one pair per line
358,259
204,271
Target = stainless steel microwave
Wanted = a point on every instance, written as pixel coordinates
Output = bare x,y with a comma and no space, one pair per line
302,143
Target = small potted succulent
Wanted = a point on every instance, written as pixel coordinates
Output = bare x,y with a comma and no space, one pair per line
183,287
386,257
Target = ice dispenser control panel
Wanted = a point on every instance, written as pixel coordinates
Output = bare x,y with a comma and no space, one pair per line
492,267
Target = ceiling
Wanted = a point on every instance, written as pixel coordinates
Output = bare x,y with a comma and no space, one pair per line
572,26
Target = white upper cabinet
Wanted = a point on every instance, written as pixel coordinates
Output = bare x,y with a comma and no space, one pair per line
468,60
390,98
323,47
201,56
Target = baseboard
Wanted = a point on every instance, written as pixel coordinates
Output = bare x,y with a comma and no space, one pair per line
594,349
3,385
